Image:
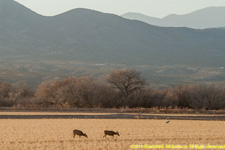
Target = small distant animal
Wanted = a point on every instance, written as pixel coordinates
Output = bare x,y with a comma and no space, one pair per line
167,121
79,133
110,133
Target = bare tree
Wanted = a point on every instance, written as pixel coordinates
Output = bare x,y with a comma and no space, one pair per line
127,81
73,91
46,92
26,91
6,92
206,96
107,97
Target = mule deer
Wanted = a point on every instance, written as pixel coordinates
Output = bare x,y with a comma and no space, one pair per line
110,133
79,133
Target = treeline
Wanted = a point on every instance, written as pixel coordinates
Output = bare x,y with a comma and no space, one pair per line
123,88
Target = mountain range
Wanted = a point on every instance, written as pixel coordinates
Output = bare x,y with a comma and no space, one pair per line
211,17
94,37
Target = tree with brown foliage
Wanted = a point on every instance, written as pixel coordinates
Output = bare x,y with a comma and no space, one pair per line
72,91
127,81
6,91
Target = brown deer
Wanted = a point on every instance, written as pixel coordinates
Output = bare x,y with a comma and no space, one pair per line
79,133
110,133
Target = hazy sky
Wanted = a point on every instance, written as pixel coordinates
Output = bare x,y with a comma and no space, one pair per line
154,8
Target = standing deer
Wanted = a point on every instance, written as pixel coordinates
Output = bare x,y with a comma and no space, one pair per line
110,133
79,133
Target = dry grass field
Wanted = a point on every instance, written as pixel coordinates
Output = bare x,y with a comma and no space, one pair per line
56,134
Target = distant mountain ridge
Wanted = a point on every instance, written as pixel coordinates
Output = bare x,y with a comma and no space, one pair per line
211,17
98,37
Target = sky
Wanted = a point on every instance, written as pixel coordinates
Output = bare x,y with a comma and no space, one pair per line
154,8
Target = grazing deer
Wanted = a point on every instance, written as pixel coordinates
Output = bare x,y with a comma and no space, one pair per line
110,133
79,133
